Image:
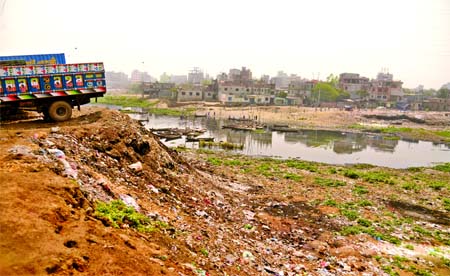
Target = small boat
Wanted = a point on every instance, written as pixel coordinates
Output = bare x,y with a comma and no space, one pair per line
200,115
198,139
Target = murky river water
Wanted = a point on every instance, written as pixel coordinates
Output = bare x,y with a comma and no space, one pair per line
330,147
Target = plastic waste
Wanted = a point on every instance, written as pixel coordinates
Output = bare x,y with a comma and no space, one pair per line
129,201
136,166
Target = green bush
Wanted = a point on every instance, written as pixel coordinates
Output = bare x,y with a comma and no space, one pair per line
117,213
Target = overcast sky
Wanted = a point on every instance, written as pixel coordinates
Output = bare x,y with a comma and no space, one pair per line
409,37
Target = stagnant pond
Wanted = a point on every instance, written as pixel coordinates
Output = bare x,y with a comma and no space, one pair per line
332,147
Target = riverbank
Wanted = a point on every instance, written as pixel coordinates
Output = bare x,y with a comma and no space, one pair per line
409,125
427,126
198,212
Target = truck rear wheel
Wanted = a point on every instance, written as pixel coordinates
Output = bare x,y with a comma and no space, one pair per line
60,111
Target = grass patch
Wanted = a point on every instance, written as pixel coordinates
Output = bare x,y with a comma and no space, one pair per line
391,137
351,174
329,182
443,167
292,176
214,161
126,101
443,133
350,214
301,165
392,129
438,185
117,213
358,229
411,186
446,202
233,162
364,203
378,177
330,202
360,190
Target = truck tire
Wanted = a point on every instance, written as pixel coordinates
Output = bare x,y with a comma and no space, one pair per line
60,111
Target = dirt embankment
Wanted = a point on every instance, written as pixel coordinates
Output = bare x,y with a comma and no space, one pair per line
216,221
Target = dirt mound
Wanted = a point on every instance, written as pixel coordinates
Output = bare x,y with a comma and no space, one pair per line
201,220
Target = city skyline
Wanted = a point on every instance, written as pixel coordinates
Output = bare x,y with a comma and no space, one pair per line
410,38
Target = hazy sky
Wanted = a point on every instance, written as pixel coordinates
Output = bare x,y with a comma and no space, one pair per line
410,37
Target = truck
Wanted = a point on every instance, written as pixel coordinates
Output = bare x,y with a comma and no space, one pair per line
48,85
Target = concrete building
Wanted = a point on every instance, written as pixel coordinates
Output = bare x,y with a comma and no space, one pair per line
178,79
138,76
382,90
282,80
253,93
116,80
242,76
436,104
195,76
190,94
159,90
299,91
353,84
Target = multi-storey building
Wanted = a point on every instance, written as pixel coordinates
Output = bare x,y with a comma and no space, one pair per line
385,89
353,84
138,76
116,80
299,91
195,76
178,79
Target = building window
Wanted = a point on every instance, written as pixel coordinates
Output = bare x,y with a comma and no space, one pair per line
190,93
226,89
209,94
197,94
237,89
248,90
183,93
230,99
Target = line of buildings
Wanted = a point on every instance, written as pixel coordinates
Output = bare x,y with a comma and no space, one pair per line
238,87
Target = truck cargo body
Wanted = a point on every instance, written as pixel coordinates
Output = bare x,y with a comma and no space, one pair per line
39,87
37,59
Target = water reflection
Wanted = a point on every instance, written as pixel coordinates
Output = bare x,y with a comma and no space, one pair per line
333,147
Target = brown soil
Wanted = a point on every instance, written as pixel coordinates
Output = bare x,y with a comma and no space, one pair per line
220,222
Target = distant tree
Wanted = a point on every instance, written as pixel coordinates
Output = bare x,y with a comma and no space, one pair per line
326,91
333,80
164,78
443,93
429,92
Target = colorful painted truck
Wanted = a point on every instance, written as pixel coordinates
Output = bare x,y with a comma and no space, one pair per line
52,89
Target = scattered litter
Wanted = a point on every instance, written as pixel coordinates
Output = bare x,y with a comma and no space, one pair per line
136,166
129,201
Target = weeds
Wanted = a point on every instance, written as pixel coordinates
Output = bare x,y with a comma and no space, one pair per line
117,213
360,190
443,167
292,176
329,182
301,165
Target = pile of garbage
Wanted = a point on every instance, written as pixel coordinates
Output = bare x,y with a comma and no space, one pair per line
213,218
